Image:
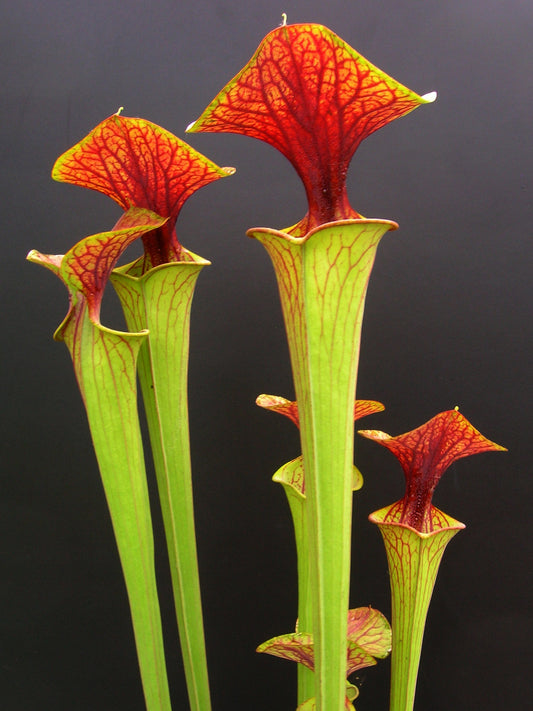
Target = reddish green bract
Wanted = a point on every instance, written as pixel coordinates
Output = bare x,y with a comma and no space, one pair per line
289,408
425,453
89,263
369,636
137,163
314,98
86,267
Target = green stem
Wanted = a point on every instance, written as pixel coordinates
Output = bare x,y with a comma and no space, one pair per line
105,365
291,477
414,559
322,280
160,300
306,678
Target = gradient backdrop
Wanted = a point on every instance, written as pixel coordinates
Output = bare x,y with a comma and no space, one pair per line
448,322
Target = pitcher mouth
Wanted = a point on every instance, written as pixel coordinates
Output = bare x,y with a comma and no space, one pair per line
326,225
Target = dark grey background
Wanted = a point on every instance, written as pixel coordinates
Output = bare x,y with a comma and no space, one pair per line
448,322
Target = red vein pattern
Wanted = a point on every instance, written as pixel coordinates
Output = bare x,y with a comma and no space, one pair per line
425,453
289,408
292,474
314,98
322,279
137,163
369,636
337,266
370,624
279,404
296,647
87,266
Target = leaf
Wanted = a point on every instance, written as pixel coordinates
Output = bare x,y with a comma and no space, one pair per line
322,280
296,647
105,366
292,475
425,453
289,408
314,98
413,559
276,403
370,629
86,266
369,636
358,658
160,301
137,163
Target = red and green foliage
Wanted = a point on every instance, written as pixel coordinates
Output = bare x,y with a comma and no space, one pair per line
369,637
314,98
416,534
137,163
150,173
425,453
289,408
